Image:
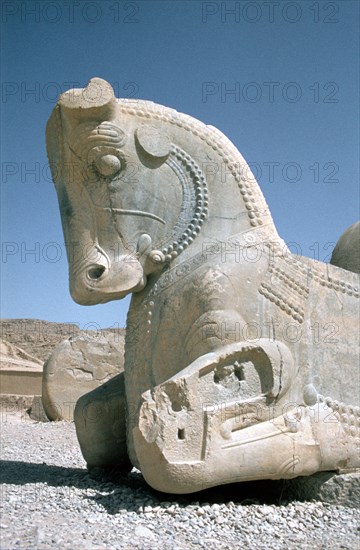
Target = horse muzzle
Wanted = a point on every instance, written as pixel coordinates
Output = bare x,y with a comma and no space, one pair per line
97,283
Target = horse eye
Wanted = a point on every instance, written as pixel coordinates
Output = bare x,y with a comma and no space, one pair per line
108,165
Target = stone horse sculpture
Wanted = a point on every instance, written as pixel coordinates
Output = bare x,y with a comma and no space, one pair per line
241,359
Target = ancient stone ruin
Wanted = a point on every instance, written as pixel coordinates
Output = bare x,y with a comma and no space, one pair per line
77,366
241,359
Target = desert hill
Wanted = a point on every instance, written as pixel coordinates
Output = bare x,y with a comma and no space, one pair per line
34,339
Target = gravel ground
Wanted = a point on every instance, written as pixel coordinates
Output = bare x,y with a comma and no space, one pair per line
48,500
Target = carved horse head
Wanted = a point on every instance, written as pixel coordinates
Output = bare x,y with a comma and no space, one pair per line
133,200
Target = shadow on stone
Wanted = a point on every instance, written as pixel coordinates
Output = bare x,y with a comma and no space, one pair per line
330,487
21,473
115,491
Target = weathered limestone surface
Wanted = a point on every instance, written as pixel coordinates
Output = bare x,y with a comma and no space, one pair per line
76,366
241,359
346,253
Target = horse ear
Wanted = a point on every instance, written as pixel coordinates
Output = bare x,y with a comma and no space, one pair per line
153,141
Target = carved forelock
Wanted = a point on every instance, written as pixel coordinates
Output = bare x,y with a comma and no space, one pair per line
88,135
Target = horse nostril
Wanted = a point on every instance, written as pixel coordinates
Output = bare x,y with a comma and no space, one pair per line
96,272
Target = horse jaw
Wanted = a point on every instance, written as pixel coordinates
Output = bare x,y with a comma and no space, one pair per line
98,284
103,281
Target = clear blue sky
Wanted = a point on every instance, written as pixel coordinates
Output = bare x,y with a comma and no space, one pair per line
293,68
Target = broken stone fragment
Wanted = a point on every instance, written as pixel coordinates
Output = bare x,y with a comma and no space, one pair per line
76,366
